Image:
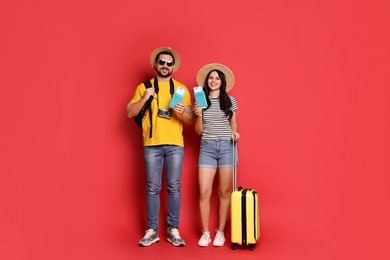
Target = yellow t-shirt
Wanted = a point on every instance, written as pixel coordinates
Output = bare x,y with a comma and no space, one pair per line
165,131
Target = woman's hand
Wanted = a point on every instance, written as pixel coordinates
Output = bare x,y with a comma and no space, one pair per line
197,111
235,136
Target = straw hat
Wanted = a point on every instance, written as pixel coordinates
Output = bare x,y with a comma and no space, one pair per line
202,74
168,49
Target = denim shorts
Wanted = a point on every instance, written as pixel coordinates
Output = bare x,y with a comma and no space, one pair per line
216,154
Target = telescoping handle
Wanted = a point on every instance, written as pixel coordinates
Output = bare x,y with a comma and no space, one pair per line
234,182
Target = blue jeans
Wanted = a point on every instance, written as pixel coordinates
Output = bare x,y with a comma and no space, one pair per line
170,156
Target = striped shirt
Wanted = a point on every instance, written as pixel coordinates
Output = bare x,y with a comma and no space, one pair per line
216,126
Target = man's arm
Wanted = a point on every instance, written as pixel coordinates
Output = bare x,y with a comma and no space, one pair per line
188,115
184,113
133,109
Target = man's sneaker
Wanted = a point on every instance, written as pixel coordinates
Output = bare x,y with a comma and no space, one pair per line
205,239
219,239
149,238
174,238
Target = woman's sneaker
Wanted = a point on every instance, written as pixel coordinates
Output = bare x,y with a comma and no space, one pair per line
149,238
205,239
219,239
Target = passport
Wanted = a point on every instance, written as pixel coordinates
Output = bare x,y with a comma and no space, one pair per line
200,97
177,97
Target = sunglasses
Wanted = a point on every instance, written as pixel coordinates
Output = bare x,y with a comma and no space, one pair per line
162,63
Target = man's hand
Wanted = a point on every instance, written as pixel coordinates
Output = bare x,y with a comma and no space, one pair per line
148,93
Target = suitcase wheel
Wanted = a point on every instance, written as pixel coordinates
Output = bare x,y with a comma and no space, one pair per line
234,246
251,247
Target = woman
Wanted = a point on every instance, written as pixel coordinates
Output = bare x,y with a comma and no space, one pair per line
218,126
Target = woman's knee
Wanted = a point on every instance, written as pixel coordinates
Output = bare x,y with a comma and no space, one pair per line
224,194
204,194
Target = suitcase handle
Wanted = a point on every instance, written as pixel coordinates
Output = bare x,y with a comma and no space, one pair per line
235,152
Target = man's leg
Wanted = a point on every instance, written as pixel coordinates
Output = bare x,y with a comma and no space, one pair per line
153,157
173,166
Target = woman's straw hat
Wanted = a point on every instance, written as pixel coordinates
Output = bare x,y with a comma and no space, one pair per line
202,74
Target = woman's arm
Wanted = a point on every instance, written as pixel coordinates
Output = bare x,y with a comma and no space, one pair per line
234,126
198,120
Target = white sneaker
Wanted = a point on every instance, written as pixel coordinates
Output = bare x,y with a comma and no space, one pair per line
205,239
219,239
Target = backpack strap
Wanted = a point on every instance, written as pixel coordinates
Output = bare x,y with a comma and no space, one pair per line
148,106
171,86
148,103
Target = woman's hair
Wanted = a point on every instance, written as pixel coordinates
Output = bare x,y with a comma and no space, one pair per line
224,100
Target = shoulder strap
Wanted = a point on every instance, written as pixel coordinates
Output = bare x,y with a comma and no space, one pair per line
171,87
148,106
147,84
149,102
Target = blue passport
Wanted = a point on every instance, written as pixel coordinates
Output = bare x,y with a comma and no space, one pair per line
200,97
177,97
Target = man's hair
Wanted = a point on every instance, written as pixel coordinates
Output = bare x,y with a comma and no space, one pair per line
164,52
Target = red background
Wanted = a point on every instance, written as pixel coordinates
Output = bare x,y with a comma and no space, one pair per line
312,85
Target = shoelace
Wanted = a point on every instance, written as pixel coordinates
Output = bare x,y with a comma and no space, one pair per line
175,233
220,235
206,236
149,233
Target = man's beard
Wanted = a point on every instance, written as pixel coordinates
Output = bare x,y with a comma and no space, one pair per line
167,75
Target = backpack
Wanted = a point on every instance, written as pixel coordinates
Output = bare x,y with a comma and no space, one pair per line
138,118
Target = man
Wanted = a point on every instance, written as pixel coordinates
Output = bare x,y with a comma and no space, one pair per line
163,142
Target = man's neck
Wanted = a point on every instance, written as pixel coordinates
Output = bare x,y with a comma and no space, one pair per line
163,79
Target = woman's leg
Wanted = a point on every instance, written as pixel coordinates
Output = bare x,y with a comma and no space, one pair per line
225,182
206,178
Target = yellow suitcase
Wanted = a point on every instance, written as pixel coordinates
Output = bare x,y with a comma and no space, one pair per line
245,220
